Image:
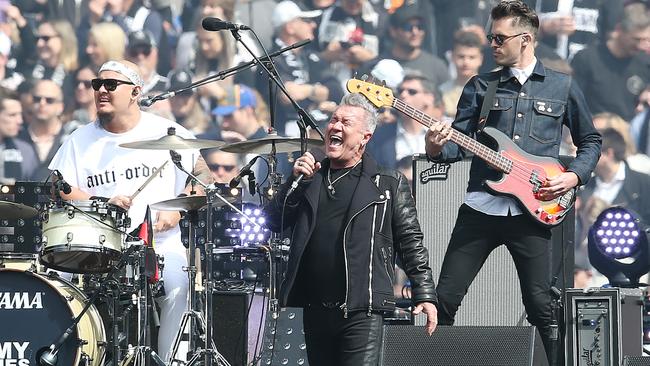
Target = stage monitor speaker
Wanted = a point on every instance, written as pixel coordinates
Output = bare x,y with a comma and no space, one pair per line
462,345
494,298
284,339
238,316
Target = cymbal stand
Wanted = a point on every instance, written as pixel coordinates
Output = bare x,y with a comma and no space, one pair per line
275,179
143,354
191,318
209,353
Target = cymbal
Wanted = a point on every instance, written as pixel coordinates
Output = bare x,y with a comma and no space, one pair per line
12,210
188,203
173,142
264,145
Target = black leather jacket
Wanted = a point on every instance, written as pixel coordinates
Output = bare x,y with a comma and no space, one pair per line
383,224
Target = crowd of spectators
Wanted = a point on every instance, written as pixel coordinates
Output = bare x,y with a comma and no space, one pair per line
424,50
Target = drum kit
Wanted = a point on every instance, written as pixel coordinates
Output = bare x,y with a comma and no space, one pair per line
77,289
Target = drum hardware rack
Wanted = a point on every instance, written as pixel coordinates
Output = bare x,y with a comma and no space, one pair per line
49,356
192,317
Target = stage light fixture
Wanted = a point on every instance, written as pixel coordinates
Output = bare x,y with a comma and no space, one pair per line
253,235
618,246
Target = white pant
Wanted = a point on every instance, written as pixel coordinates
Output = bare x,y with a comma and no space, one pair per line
174,304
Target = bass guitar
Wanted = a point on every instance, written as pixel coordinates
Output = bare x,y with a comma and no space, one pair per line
523,174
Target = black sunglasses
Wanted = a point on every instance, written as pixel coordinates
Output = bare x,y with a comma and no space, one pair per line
408,27
49,100
410,91
215,167
46,38
86,83
500,39
109,84
135,51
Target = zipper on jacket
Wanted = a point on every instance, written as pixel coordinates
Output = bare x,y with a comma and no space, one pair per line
387,262
383,215
372,251
344,306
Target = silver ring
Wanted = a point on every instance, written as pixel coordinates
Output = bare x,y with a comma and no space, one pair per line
299,163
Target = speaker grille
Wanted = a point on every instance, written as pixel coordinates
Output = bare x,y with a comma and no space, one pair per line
494,298
636,361
462,345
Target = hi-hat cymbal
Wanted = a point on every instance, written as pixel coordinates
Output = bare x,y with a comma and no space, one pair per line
12,210
173,142
265,145
188,203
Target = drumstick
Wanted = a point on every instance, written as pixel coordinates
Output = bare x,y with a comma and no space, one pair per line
146,183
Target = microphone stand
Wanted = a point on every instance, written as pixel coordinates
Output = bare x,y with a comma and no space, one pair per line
304,119
302,114
147,102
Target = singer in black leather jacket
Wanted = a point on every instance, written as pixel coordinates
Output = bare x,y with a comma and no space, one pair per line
350,220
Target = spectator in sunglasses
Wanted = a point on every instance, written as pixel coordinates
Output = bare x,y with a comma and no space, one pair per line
45,131
56,56
142,50
224,166
394,141
407,32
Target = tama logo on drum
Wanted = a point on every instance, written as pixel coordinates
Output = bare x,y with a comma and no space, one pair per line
13,353
21,300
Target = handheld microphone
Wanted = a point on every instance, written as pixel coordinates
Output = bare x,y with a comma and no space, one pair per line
216,24
242,173
318,156
61,185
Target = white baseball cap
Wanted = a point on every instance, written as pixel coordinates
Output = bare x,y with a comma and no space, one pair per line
287,10
390,71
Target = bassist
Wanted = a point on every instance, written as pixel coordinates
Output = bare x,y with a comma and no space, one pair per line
530,105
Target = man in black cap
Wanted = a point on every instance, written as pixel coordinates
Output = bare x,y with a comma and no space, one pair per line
143,51
185,105
407,31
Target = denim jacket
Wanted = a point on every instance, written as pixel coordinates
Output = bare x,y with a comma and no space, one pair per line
532,115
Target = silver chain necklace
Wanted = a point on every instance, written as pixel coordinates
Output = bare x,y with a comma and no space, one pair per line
331,183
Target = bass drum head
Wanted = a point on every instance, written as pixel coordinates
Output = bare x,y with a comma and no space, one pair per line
35,310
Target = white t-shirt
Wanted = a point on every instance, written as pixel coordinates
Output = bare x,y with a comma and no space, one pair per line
92,160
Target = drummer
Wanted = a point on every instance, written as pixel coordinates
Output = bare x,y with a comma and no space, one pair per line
94,164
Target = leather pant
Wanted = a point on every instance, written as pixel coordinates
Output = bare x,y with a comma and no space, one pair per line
334,340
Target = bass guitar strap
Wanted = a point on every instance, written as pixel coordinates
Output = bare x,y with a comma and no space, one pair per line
487,103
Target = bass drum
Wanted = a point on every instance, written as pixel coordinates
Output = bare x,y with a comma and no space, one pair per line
36,309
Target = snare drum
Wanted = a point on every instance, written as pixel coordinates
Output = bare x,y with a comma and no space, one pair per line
35,310
83,236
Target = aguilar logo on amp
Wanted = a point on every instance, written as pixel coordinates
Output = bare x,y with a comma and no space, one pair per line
437,171
13,354
21,300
